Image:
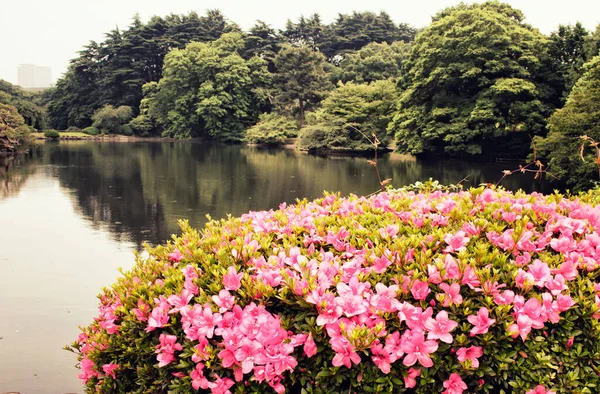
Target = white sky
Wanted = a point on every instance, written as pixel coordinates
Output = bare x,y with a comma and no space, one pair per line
50,32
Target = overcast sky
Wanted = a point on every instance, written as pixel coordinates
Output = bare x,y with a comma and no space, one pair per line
49,33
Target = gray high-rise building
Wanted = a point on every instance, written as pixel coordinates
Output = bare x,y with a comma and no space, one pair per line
32,77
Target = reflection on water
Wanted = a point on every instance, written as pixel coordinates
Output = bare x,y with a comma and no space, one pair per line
71,213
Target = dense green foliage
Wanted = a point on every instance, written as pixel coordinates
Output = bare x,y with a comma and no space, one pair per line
208,90
52,134
373,62
12,124
110,119
91,130
350,116
580,116
272,129
481,291
474,84
300,81
113,71
29,105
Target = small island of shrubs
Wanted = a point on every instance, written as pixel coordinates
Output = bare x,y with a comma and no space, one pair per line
418,290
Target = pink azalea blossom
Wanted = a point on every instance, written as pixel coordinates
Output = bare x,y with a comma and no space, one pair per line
417,348
310,347
471,353
420,290
109,369
540,390
454,385
440,327
175,256
451,294
166,349
232,280
410,381
481,321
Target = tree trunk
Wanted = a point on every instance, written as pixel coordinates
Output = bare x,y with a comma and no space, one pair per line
301,105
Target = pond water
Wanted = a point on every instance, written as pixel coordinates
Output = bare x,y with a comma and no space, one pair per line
71,213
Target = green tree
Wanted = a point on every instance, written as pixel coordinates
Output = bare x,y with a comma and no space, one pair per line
26,103
310,32
209,91
580,116
373,62
272,129
592,44
114,70
109,119
12,124
567,48
475,84
264,42
300,81
350,116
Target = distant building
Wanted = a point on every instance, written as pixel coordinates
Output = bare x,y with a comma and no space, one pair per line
32,77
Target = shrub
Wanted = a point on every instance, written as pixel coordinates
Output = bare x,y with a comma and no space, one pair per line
53,134
423,291
125,129
73,128
272,129
91,131
142,125
110,118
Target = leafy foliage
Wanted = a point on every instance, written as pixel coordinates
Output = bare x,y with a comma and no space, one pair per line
210,91
53,134
481,291
475,84
26,103
91,131
300,82
12,124
110,119
113,71
580,116
350,116
272,129
373,62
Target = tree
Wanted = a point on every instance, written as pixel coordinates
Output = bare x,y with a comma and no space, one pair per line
475,84
26,103
300,81
12,127
114,70
350,116
272,129
592,44
109,119
373,62
567,48
579,117
209,91
264,42
310,32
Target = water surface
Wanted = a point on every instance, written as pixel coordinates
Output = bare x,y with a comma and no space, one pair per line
71,213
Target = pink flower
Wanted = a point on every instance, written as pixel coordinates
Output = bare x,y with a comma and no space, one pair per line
469,277
456,242
199,381
175,256
540,390
224,300
410,381
570,342
220,386
454,385
109,369
158,318
344,352
232,280
420,290
310,347
417,348
540,272
451,294
440,327
166,349
481,321
471,353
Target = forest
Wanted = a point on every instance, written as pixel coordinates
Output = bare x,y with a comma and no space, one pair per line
478,81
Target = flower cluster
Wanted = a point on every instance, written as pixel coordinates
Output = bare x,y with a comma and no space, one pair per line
417,292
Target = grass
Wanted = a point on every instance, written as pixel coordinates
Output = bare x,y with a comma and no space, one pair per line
64,134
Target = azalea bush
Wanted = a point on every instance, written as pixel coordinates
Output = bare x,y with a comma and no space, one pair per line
420,291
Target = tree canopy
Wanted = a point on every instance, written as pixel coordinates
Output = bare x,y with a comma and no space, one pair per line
579,117
474,80
27,104
208,90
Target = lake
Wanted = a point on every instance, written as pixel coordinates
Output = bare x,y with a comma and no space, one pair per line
71,213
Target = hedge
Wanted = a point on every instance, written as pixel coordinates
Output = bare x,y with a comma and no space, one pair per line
405,291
